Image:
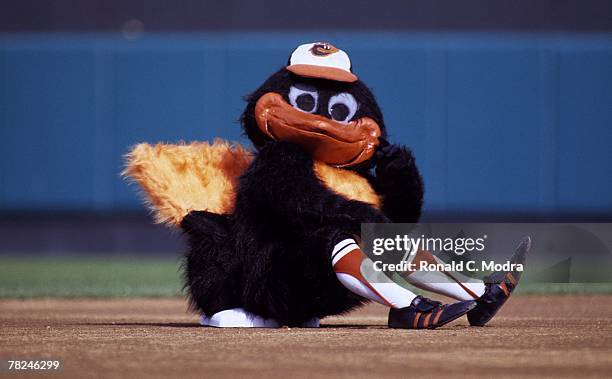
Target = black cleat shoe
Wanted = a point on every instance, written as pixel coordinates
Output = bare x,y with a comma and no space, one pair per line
498,288
425,313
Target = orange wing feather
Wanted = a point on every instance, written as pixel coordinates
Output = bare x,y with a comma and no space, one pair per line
177,179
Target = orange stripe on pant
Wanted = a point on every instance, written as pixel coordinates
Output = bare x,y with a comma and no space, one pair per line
351,264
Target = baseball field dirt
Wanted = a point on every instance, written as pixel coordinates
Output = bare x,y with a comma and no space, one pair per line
533,336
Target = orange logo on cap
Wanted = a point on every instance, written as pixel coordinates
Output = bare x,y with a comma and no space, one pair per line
323,49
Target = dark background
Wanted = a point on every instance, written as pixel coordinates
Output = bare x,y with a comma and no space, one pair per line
192,15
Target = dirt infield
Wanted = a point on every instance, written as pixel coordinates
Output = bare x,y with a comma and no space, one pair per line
533,336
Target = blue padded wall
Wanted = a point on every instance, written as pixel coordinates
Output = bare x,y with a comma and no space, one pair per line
498,122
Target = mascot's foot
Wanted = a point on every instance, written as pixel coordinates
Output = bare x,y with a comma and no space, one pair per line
498,288
237,318
425,313
312,323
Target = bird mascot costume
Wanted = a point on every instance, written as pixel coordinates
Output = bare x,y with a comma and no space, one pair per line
273,232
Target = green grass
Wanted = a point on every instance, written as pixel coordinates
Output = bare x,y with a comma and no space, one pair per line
89,277
527,288
149,277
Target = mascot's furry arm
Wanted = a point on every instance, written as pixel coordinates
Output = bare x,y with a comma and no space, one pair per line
179,179
399,183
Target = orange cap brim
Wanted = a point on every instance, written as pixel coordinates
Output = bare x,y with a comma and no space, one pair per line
321,72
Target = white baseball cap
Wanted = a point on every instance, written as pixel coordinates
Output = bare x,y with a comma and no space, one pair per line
321,60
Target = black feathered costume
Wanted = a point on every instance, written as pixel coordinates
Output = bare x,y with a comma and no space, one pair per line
271,256
261,225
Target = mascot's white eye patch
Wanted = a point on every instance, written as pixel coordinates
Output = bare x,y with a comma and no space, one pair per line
304,98
342,107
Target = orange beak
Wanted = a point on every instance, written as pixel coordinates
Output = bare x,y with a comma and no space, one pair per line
328,141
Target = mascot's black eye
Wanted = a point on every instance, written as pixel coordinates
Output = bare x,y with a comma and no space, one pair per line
305,102
304,98
342,107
